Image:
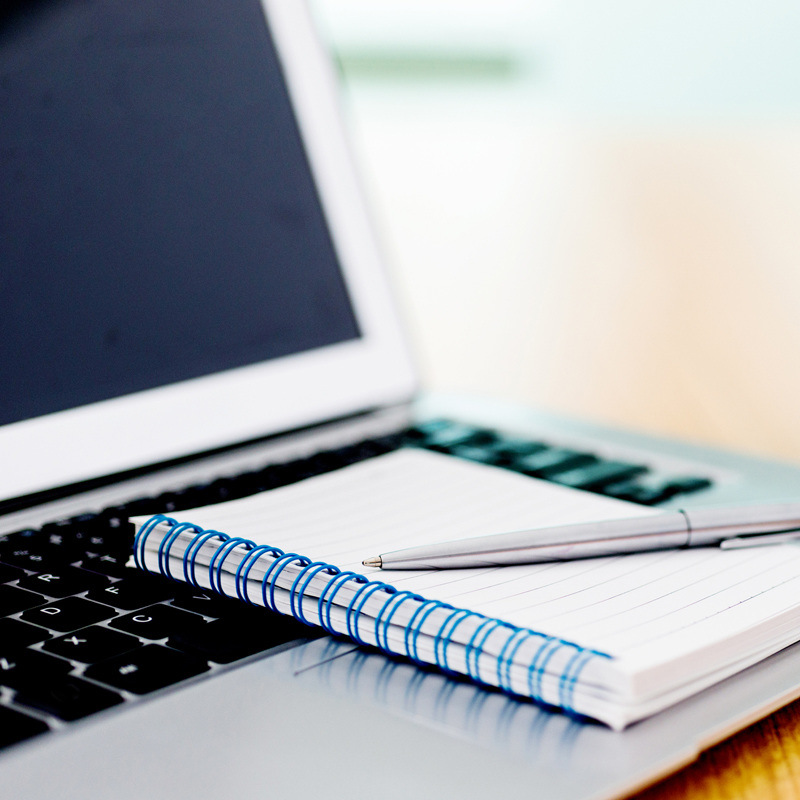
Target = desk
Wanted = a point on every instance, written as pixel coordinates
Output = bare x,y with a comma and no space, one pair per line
762,761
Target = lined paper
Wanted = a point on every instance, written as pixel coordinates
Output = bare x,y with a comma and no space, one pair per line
689,613
412,497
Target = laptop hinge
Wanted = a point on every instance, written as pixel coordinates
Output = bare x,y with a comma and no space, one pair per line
35,509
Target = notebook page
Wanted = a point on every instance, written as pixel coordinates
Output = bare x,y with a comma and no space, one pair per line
646,609
672,621
414,497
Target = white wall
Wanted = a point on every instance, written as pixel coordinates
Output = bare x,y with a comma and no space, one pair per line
592,207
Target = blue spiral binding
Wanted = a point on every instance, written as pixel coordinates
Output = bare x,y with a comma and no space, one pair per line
476,643
444,636
218,560
337,583
266,583
391,606
426,608
301,583
357,604
144,532
570,681
505,658
189,562
322,604
535,669
507,640
246,564
564,685
166,545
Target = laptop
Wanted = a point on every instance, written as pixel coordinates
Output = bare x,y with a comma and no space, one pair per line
194,308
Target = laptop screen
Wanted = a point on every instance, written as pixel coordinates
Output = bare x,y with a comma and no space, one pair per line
186,259
158,216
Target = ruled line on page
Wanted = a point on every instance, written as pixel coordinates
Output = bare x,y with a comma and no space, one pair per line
764,586
406,498
625,567
414,497
668,579
685,598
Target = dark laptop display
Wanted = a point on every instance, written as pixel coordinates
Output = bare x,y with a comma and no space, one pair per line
157,207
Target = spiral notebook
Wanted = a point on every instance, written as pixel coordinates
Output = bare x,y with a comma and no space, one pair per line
615,639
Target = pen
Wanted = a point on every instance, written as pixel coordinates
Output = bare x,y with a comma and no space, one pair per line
729,527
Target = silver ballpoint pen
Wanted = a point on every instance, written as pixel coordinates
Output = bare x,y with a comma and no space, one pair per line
728,526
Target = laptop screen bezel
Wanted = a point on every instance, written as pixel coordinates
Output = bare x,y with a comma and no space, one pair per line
218,410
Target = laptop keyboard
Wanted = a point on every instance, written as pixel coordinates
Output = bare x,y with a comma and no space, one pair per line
81,632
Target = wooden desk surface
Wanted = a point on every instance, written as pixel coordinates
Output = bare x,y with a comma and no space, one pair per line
761,762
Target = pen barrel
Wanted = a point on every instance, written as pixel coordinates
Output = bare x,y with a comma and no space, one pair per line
566,551
714,525
557,543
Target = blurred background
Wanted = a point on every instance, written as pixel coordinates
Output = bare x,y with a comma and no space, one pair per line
592,208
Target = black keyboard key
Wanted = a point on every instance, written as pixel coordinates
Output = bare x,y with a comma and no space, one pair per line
65,525
105,542
19,668
35,557
199,495
9,573
330,461
208,603
14,633
167,503
61,550
651,492
249,483
685,485
130,593
594,477
105,534
88,520
107,564
157,622
23,537
145,670
222,489
424,429
181,499
549,462
134,508
68,698
456,434
367,449
298,470
230,639
13,600
635,492
68,614
17,727
67,581
483,455
93,644
508,450
283,474
66,537
116,518
86,578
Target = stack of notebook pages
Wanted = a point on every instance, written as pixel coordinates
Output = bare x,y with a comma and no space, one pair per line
615,638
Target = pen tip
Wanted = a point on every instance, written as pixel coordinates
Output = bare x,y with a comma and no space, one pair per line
375,561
